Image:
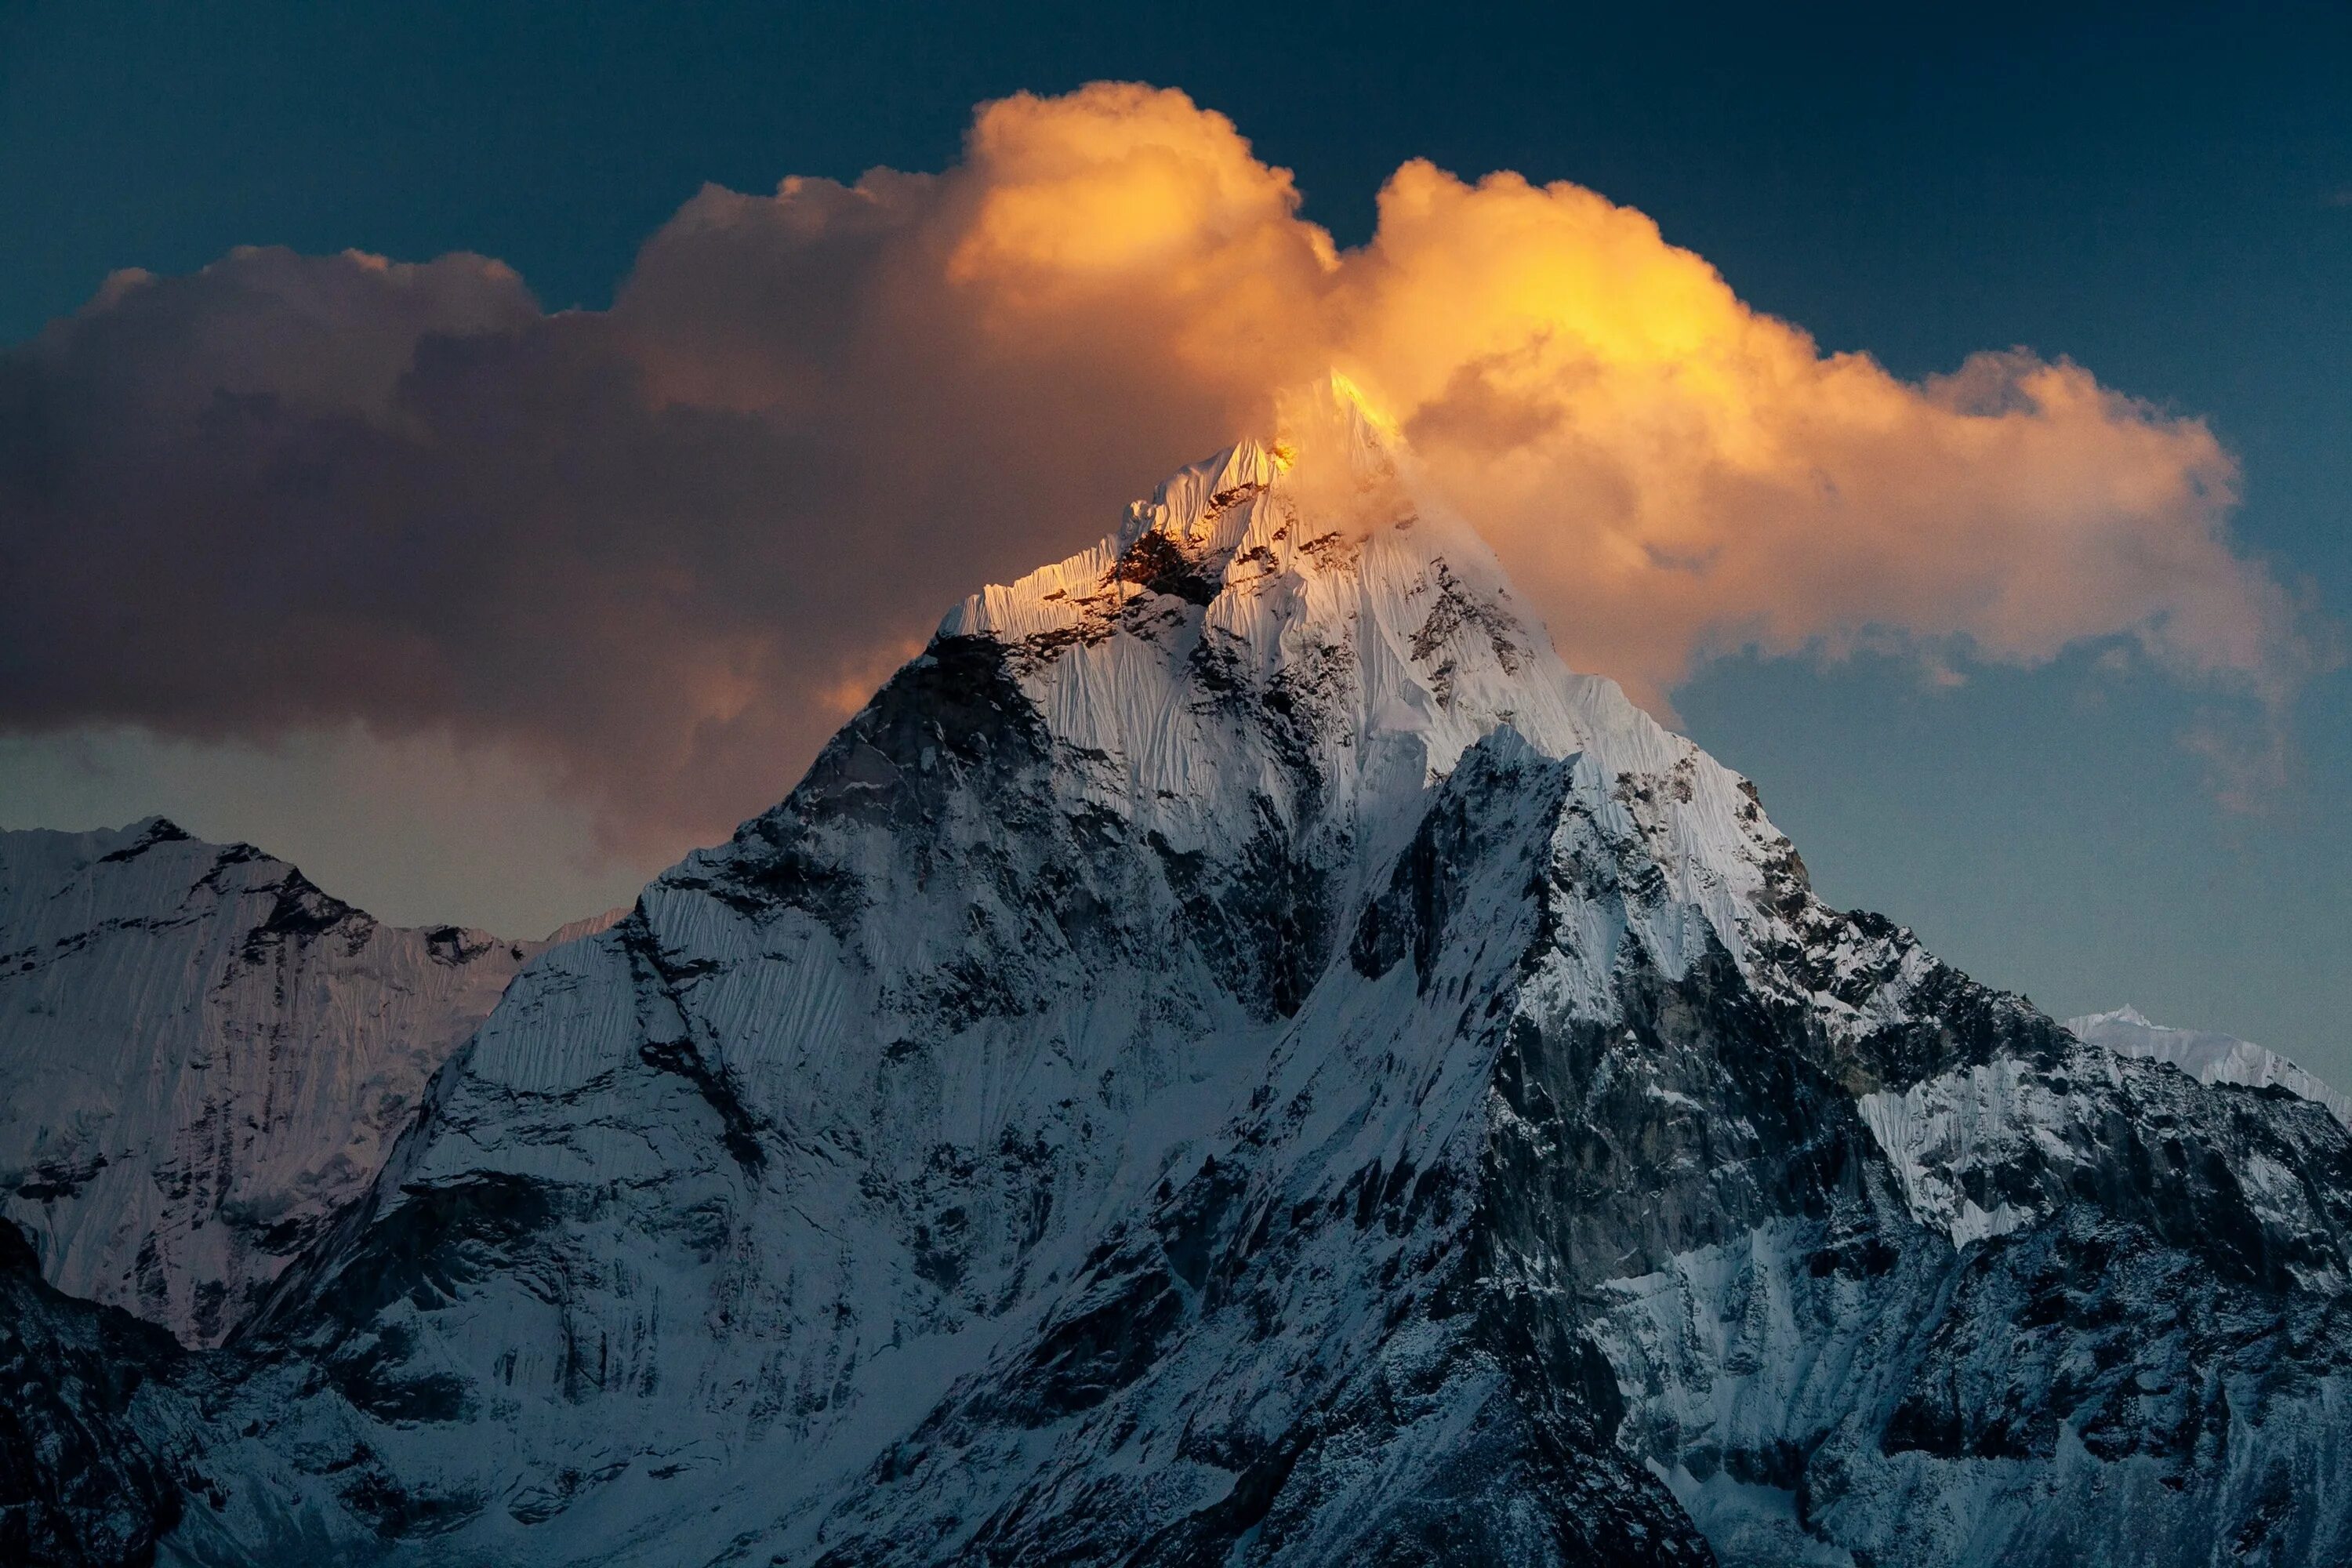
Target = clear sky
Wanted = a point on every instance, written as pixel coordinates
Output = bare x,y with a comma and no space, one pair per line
2163,195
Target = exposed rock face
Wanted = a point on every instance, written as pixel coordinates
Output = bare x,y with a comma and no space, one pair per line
1236,1056
204,1058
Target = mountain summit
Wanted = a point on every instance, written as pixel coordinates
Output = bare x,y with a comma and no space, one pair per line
1236,1056
204,1056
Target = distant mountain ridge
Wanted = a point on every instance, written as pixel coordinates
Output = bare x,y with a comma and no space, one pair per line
1236,1056
2205,1057
205,1057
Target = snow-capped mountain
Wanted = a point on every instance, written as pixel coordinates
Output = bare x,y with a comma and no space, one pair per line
1236,1056
204,1058
2207,1058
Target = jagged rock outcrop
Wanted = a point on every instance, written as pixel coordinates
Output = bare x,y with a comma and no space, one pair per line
1236,1056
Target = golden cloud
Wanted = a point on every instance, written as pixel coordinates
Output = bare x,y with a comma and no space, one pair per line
648,546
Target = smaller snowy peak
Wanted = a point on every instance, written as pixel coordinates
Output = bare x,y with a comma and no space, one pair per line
2207,1058
203,1057
589,925
51,881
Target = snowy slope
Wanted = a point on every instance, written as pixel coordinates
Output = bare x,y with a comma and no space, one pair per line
2207,1058
205,1056
1236,1056
875,1077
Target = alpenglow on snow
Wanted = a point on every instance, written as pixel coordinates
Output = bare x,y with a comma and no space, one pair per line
1236,1056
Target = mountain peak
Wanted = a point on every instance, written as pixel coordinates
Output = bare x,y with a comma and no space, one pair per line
1169,544
156,830
1236,1054
211,1055
1304,634
1186,537
2206,1056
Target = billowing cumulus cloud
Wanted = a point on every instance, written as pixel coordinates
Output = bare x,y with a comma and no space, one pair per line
1672,473
658,551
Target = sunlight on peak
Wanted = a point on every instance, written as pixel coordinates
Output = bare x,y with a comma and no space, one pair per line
1347,394
1336,405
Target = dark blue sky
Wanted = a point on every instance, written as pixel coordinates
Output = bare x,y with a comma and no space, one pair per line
2165,196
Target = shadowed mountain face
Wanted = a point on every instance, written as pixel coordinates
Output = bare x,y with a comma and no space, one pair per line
81,1482
1236,1056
